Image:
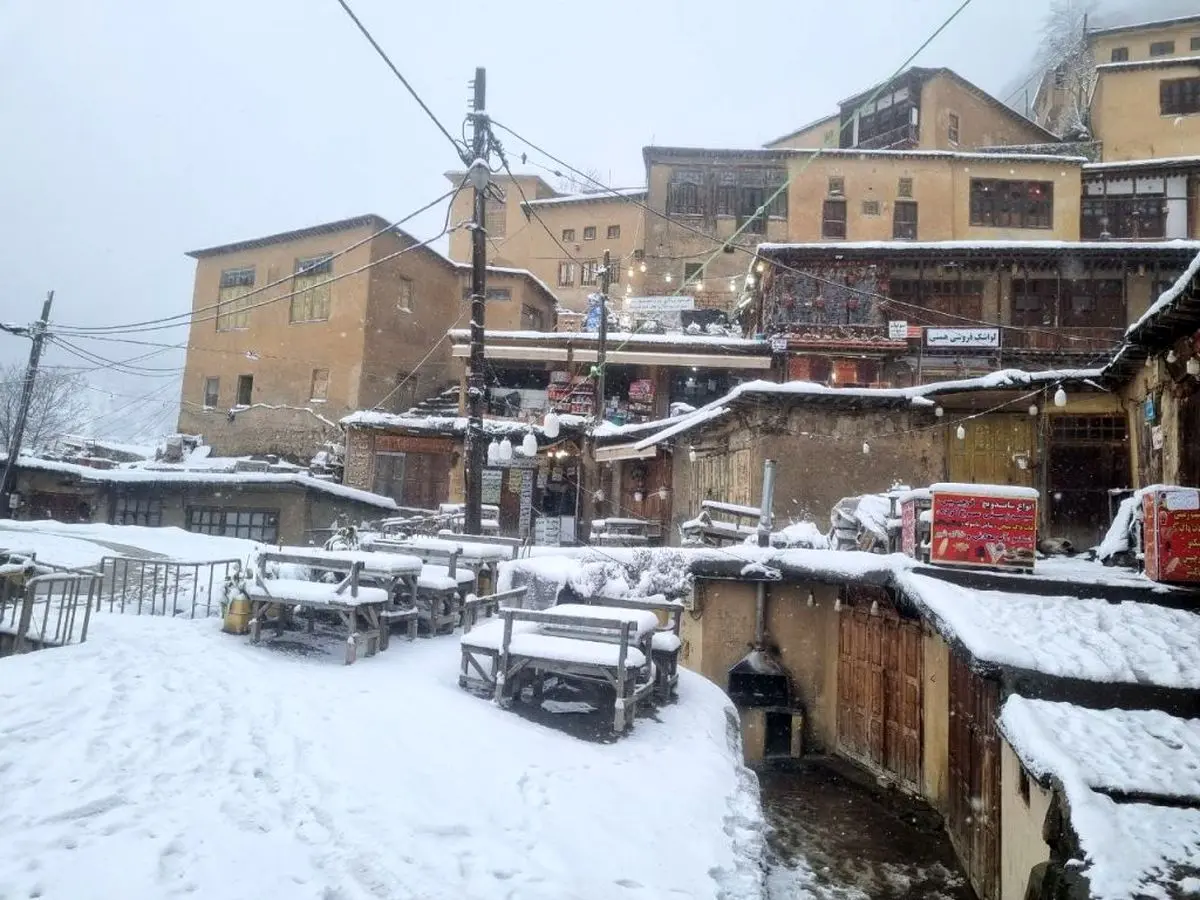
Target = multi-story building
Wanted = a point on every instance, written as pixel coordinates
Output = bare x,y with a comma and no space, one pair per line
560,238
292,331
707,204
926,109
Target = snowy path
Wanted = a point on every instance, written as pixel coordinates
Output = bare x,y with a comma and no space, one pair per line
164,759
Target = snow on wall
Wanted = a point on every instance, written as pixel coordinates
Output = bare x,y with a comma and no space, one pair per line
1129,643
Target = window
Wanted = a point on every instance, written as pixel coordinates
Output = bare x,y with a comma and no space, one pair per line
310,289
952,128
404,295
614,232
587,271
837,186
870,207
1195,44
589,232
212,392
1072,303
532,318
904,220
1162,48
998,203
888,121
939,302
683,192
568,235
253,524
320,385
495,219
1134,217
500,295
389,475
693,272
904,188
833,219
245,391
232,303
1179,96
566,274
138,509
752,195
1120,54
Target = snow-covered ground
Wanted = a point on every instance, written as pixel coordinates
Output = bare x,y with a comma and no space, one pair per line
45,538
163,758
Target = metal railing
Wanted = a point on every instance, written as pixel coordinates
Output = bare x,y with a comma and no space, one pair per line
159,587
49,610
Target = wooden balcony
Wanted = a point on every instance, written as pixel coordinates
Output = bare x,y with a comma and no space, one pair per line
906,137
1053,339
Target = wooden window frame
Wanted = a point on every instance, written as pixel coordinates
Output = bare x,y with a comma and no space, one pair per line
690,271
953,124
613,232
872,208
566,274
1161,48
245,387
1006,203
1119,54
317,380
568,235
222,521
404,295
901,226
588,272
589,232
215,382
1194,44
837,186
1179,96
138,508
904,188
834,228
312,294
233,301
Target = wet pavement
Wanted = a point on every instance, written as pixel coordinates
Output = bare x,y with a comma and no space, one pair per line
833,839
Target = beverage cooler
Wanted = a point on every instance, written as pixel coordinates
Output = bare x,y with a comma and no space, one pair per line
1171,533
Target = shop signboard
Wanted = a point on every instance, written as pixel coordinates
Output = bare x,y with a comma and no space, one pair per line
908,528
669,303
897,330
962,337
1171,534
993,526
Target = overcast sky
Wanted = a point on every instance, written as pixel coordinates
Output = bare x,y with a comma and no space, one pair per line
135,130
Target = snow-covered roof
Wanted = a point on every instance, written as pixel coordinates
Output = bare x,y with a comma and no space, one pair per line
1159,62
453,425
590,196
1130,849
1144,752
854,152
1141,26
1067,637
135,473
510,270
967,246
1167,298
617,338
1162,162
985,490
918,395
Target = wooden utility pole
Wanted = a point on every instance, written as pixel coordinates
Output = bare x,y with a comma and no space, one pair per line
602,343
477,172
38,333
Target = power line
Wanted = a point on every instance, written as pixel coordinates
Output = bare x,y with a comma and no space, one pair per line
459,148
79,330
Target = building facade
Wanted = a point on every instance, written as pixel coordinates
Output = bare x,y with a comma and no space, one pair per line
295,330
560,238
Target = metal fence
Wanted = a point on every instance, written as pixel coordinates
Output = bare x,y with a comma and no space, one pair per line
48,610
157,587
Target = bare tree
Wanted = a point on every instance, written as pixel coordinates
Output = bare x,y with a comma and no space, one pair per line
1070,70
59,404
571,183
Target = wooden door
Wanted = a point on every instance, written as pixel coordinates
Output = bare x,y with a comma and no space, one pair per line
973,820
879,690
426,480
985,454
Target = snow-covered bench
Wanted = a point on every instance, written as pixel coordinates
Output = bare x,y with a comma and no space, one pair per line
591,643
664,641
367,612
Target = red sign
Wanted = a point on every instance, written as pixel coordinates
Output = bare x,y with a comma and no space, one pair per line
1171,524
908,528
993,530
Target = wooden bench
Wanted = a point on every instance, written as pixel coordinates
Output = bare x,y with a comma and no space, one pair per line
665,642
366,612
598,644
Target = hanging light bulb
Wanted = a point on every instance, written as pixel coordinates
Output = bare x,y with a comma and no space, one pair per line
642,267
760,267
1060,397
938,411
732,286
529,444
667,278
866,448
874,607
505,451
631,271
699,285
663,493
837,604
961,433
1193,366
1033,410
550,425
749,281
691,454
812,600
598,496
1171,357
493,453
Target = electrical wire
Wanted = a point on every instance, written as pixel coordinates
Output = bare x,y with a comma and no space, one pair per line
460,149
79,330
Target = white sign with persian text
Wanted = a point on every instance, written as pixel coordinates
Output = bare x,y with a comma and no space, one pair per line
659,304
897,331
962,337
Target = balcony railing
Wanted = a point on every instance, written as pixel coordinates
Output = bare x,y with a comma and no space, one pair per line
904,137
1052,339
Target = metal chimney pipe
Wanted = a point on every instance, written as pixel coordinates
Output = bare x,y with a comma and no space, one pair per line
765,516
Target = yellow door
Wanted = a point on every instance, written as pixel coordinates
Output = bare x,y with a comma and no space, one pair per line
992,449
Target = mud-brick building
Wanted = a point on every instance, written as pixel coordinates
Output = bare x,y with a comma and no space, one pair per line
904,669
292,331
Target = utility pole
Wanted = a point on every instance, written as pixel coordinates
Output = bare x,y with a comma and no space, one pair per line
38,333
602,344
478,173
